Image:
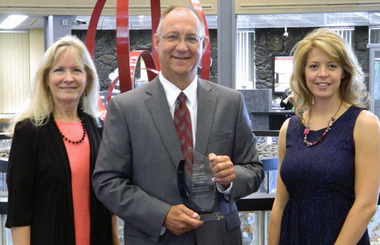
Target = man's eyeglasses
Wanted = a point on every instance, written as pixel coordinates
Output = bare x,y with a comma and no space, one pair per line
189,40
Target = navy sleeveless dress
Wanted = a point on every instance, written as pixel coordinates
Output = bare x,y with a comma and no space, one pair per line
320,182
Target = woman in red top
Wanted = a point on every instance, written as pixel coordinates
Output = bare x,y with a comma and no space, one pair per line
52,157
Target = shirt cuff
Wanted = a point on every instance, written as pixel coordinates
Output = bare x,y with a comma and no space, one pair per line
223,189
162,232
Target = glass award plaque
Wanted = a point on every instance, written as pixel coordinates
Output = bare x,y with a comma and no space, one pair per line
196,187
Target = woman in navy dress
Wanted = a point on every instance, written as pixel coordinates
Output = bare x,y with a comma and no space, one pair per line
329,152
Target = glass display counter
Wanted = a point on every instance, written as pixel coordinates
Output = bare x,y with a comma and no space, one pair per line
5,234
5,144
254,209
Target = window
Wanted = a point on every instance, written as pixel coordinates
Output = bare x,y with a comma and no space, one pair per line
244,59
14,67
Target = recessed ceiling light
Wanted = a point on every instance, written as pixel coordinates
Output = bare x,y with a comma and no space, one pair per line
12,21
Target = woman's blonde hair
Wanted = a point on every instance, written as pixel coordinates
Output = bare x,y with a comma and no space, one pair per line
352,88
40,104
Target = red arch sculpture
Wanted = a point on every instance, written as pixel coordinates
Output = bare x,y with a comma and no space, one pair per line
124,57
134,57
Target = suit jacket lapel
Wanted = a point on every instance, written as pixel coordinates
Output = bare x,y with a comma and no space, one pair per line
160,113
205,117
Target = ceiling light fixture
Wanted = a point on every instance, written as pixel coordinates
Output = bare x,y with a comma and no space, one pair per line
12,21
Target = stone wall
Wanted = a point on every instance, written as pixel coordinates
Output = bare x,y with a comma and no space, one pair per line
268,43
271,42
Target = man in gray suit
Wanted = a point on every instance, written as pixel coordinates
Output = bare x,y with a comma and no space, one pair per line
136,169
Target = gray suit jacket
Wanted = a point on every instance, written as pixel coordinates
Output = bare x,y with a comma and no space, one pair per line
136,168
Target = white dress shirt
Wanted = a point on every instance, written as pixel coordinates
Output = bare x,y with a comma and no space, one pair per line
172,93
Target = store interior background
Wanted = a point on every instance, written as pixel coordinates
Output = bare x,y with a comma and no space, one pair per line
253,33
242,53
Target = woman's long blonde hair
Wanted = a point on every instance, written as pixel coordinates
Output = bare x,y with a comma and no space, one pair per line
39,105
352,88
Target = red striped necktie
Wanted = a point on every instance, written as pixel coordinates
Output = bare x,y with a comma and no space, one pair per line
182,122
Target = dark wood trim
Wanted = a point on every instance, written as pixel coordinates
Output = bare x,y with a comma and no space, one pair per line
255,204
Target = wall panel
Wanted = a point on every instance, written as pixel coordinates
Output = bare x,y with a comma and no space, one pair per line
14,70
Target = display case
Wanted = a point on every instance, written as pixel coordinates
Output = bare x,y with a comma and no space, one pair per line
374,228
5,144
255,209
